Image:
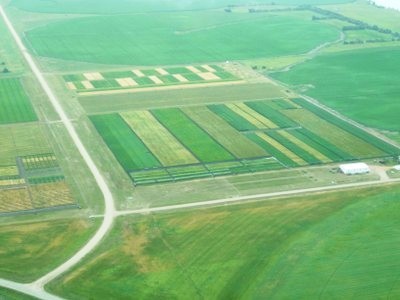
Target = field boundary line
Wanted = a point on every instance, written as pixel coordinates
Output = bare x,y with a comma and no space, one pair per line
38,285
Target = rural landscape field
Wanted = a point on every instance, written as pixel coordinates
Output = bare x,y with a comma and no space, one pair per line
195,149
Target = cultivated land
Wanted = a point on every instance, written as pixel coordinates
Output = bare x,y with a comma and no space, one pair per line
207,251
177,127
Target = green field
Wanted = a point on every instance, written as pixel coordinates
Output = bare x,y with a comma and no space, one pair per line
325,245
15,106
173,144
368,92
120,6
182,38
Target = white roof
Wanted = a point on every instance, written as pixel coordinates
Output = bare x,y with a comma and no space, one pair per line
354,166
397,167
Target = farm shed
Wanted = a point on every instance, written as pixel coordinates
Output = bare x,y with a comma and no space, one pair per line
397,168
355,168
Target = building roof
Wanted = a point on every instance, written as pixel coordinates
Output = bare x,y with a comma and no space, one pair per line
397,167
354,166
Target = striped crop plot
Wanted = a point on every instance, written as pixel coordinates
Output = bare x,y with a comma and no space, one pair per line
15,106
172,144
142,78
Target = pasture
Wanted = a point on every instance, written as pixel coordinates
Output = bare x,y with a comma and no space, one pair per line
368,92
172,144
178,38
15,106
142,78
212,257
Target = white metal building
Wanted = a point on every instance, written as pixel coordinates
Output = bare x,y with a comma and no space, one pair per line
355,168
397,168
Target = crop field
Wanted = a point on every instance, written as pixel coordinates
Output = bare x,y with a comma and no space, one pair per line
15,106
140,78
178,38
368,92
172,144
268,249
120,6
30,177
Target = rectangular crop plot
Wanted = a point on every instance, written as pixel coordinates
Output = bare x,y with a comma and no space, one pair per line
333,134
227,136
15,106
173,144
192,136
126,146
141,78
153,134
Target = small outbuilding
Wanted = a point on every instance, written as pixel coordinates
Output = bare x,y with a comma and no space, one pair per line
355,168
397,168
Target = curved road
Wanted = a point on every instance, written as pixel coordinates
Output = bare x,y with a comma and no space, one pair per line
37,286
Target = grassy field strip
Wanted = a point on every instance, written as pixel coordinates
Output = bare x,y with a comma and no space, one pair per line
192,136
367,137
15,105
153,134
227,136
305,146
333,134
124,143
20,140
264,108
298,160
237,121
253,117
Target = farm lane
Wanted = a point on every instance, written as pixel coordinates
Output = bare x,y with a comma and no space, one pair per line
37,286
270,196
28,290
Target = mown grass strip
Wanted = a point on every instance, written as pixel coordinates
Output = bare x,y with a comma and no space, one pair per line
126,146
367,137
205,148
15,106
159,140
263,108
335,135
227,136
232,118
